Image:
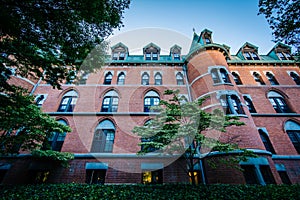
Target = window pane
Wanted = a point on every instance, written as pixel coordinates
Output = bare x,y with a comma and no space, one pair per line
74,100
65,100
147,101
247,55
250,174
267,174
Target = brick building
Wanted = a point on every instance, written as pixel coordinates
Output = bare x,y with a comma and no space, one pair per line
104,108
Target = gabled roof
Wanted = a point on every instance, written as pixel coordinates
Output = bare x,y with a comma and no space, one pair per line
279,45
175,46
151,45
283,46
120,44
252,46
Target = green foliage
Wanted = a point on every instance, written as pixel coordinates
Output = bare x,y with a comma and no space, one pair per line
53,40
50,39
180,128
283,18
23,125
62,157
167,191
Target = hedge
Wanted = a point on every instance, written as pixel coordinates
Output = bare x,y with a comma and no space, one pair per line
144,192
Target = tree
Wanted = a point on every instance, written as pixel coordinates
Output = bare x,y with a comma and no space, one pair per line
23,125
183,128
283,18
51,38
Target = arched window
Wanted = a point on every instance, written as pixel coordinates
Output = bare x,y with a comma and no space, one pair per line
272,78
56,141
145,79
68,102
293,130
151,99
237,78
258,79
278,102
104,137
231,104
108,78
158,79
249,104
295,77
179,78
265,139
224,76
121,78
110,102
215,76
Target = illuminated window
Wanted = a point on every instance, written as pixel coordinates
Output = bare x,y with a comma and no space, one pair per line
152,177
68,102
95,176
39,176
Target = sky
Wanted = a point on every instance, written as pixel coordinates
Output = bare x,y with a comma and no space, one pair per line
233,22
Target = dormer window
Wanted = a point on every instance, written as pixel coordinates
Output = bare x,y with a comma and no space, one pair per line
122,56
151,52
176,56
154,56
115,56
284,56
148,56
247,55
251,56
248,52
119,51
254,56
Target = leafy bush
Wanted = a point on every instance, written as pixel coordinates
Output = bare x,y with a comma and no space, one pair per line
62,157
167,191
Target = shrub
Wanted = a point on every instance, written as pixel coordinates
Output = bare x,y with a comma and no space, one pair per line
166,191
